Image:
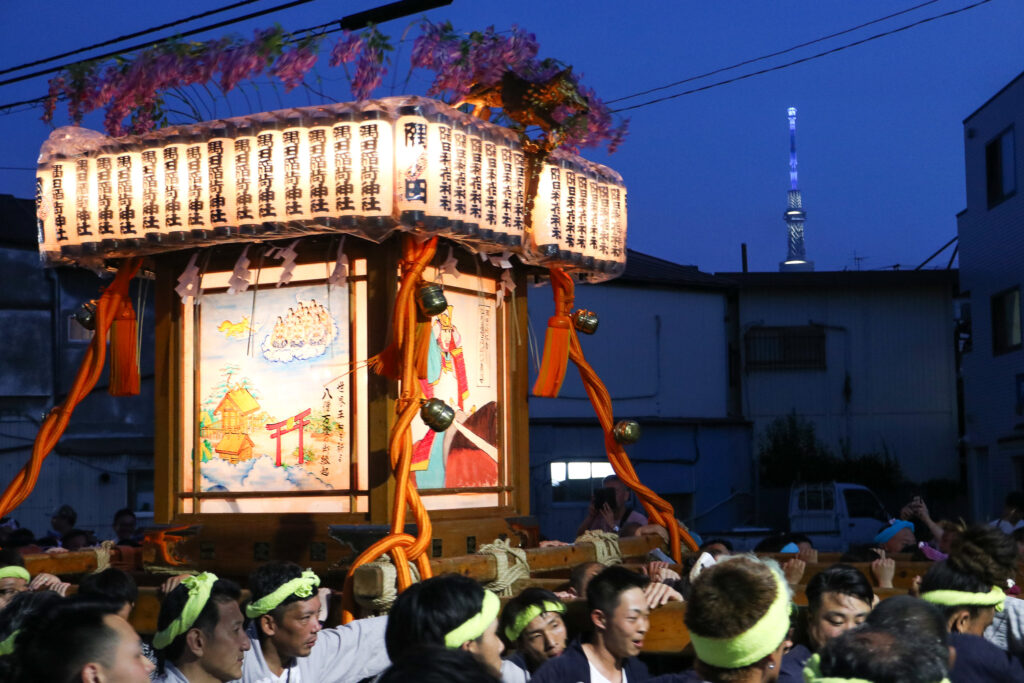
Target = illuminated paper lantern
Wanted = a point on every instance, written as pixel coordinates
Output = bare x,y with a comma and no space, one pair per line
474,226
411,172
246,178
295,168
361,168
128,176
269,177
175,190
220,177
320,168
347,186
152,190
462,224
441,170
489,230
376,173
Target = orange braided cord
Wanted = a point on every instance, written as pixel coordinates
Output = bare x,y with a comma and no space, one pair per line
88,373
401,546
659,511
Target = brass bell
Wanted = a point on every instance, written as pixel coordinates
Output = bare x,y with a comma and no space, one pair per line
86,315
437,414
431,299
626,431
585,321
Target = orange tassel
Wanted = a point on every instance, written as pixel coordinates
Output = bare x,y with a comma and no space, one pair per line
385,363
124,358
555,359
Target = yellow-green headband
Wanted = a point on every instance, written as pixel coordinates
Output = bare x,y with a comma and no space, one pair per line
812,674
945,598
199,587
474,627
754,644
514,630
7,644
14,572
301,586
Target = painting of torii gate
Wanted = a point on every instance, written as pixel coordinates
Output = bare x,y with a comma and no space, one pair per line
267,420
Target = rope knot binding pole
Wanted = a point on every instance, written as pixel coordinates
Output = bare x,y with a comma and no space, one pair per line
400,358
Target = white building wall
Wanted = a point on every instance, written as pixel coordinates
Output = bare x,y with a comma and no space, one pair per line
991,261
896,347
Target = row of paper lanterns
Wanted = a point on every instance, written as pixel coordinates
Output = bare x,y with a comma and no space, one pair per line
365,168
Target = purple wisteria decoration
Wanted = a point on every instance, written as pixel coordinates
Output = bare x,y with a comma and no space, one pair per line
495,73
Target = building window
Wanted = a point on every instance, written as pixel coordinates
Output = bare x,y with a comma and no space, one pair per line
1006,333
1000,168
575,481
785,348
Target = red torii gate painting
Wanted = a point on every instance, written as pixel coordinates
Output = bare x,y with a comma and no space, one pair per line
291,424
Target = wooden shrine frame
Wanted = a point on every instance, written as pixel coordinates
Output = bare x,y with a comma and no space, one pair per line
303,537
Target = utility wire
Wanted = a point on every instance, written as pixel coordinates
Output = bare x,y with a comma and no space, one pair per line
129,36
802,59
139,46
773,54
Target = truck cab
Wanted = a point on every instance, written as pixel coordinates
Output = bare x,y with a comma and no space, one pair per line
835,516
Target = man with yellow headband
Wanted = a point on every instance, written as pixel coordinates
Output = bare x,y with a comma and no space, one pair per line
532,626
738,617
288,644
450,611
200,632
620,617
14,578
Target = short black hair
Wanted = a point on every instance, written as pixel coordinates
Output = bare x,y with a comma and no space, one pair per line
943,576
110,583
426,664
9,557
883,657
172,606
75,532
19,538
839,578
514,607
717,541
56,647
122,512
906,614
267,578
578,573
604,590
1015,499
24,607
426,612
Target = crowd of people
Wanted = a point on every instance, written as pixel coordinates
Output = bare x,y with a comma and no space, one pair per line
64,535
960,622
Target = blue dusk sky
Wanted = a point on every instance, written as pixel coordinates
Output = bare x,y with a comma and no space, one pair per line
879,133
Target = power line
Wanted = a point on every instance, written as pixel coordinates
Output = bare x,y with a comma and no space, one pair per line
129,36
802,59
139,46
774,54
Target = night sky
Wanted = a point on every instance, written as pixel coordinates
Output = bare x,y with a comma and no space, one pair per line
879,134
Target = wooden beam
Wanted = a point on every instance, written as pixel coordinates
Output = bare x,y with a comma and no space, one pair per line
368,581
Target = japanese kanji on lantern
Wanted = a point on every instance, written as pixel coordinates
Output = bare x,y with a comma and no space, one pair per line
365,168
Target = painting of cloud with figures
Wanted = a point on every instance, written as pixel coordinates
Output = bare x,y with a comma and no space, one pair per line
274,396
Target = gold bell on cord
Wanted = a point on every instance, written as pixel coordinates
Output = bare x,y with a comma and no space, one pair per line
585,321
626,431
437,414
430,298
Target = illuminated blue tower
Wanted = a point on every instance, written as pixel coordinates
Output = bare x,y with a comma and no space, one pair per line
796,257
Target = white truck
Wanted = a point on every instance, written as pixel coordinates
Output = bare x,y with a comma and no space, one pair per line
834,515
